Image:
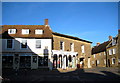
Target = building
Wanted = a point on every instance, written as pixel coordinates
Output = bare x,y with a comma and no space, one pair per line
105,54
26,46
70,51
112,53
37,46
118,49
99,55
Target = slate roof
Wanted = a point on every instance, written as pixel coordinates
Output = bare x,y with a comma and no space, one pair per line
67,36
47,33
100,48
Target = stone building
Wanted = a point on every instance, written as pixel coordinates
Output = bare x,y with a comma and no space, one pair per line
99,55
112,53
105,54
37,46
71,50
118,49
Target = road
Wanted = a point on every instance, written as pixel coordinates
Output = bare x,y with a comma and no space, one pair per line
72,75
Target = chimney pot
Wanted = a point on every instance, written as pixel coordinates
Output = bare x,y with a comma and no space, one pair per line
110,38
46,21
98,43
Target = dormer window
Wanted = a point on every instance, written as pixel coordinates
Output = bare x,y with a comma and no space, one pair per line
25,31
11,31
38,31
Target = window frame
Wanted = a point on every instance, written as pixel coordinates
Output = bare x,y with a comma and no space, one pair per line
39,30
25,31
36,44
13,32
61,45
7,43
72,47
21,44
82,48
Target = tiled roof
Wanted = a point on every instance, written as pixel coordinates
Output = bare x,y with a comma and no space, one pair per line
67,36
100,48
47,33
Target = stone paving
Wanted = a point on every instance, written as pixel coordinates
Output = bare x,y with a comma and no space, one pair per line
81,75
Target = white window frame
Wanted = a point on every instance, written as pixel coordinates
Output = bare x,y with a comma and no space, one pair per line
21,43
104,53
114,51
82,48
110,51
39,31
72,47
93,62
113,61
11,31
25,31
94,55
62,45
36,44
105,61
12,43
98,62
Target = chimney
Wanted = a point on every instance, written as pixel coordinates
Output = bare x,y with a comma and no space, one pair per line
46,21
98,43
110,38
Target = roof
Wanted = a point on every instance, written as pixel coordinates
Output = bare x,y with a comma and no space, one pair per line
47,33
67,36
100,48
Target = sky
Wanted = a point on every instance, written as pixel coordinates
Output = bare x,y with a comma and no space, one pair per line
92,21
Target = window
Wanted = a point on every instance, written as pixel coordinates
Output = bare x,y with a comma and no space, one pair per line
9,43
92,62
114,51
104,53
38,31
110,52
71,46
113,60
61,45
82,48
25,31
104,61
99,54
24,44
98,62
94,55
38,43
11,31
113,42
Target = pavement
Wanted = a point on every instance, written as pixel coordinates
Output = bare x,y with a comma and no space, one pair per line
59,75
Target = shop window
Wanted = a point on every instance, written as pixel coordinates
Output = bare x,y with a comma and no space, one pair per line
43,61
9,43
34,59
7,61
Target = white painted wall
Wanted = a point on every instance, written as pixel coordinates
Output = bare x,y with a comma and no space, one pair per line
31,47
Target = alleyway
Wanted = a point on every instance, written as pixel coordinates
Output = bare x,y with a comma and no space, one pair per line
81,75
